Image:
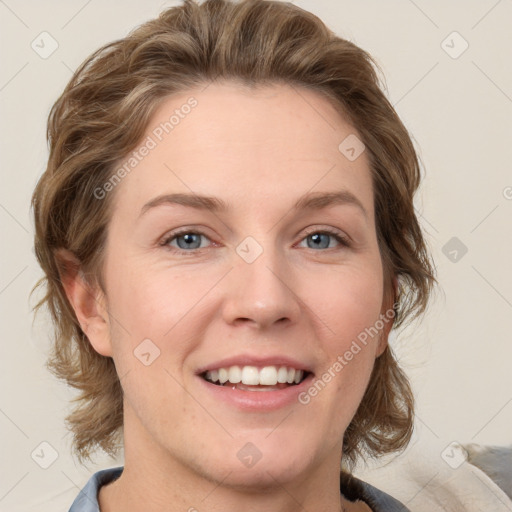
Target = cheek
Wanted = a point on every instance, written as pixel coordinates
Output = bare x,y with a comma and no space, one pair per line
166,306
151,301
150,340
348,306
346,301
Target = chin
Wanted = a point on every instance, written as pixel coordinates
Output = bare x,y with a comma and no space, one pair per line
257,465
264,476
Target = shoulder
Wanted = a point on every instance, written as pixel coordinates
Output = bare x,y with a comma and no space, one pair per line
355,489
434,475
87,499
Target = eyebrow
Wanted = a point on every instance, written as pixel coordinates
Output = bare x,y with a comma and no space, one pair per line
309,201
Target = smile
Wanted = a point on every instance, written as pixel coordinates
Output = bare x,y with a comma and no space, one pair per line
253,378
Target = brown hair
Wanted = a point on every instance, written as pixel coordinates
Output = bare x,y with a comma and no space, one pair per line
101,116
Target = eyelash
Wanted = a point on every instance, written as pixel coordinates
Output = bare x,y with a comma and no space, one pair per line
339,237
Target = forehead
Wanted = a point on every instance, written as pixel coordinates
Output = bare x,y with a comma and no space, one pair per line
251,144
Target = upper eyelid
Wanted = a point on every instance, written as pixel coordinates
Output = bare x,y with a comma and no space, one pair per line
331,231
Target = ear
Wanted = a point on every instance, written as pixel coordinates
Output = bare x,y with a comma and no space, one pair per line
388,313
87,300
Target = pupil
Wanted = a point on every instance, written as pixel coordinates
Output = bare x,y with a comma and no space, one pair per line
319,242
189,240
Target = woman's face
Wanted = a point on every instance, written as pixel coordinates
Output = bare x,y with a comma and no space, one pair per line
243,242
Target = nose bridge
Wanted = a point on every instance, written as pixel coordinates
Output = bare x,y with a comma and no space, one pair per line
259,289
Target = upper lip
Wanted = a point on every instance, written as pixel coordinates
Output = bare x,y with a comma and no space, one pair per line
255,360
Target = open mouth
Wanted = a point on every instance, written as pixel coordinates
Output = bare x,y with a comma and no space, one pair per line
252,378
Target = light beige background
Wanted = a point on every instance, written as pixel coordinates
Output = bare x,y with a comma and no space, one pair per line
459,111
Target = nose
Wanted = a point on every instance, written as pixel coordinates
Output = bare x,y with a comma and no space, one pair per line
261,294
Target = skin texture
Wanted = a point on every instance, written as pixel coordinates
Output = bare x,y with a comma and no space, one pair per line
259,151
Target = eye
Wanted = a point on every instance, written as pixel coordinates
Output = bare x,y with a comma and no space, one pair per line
325,239
186,240
189,241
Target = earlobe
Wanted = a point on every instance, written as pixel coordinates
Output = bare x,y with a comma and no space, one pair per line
87,301
388,316
384,339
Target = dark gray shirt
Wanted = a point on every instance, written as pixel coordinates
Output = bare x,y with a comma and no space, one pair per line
351,487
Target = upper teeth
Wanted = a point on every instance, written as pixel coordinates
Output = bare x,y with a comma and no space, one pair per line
253,376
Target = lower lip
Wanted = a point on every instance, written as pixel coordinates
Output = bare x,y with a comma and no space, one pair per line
257,400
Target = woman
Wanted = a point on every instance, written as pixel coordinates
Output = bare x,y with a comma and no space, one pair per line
227,229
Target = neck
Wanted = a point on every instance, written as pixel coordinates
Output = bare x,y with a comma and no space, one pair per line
170,485
178,491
